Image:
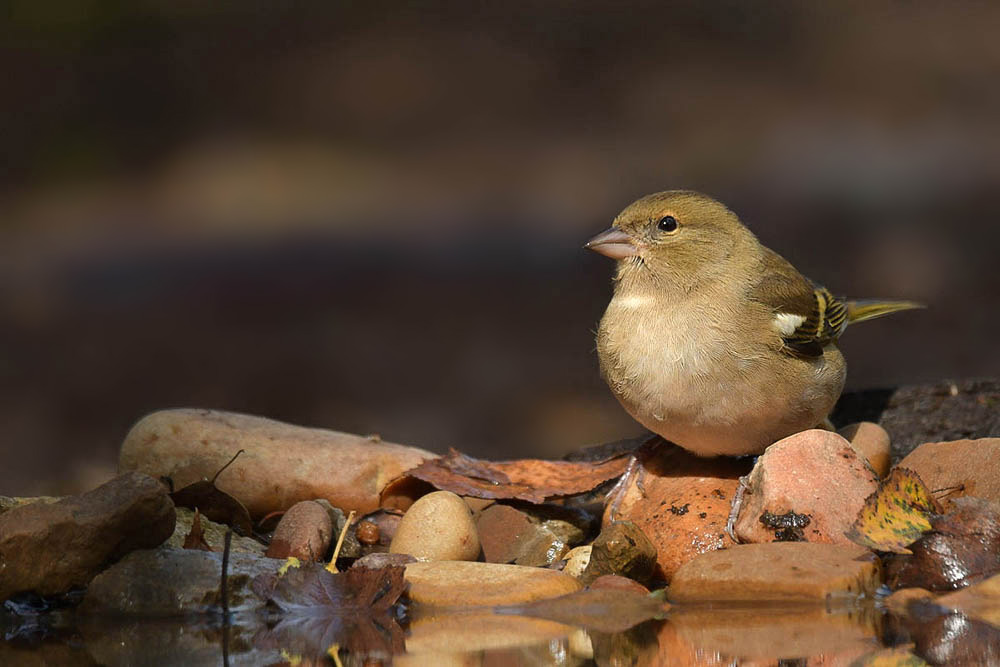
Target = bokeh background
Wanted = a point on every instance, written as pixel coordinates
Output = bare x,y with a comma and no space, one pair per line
369,216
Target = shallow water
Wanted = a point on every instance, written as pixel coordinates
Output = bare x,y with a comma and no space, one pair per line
709,635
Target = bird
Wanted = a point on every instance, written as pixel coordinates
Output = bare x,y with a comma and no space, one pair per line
711,340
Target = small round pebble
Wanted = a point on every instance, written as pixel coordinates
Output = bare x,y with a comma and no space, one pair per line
438,526
577,561
305,532
368,533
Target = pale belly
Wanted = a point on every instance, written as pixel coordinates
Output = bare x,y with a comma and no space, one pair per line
683,383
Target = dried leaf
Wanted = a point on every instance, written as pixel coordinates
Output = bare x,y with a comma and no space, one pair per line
896,515
215,504
533,480
320,609
602,609
196,536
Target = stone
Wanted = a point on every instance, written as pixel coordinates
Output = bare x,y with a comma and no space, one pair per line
438,526
933,412
304,532
470,584
351,547
509,535
214,535
899,602
621,548
681,503
778,572
503,530
452,638
761,635
807,487
871,442
281,465
52,547
980,600
616,583
168,582
577,560
970,467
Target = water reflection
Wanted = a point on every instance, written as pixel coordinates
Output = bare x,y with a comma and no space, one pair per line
690,636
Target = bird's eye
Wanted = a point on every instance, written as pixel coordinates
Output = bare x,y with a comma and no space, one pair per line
667,223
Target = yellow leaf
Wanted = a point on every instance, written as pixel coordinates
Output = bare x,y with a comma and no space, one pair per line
896,515
291,562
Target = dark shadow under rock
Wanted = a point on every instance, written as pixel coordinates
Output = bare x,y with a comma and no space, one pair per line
915,414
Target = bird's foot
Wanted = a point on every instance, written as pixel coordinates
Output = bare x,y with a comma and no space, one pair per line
634,470
737,505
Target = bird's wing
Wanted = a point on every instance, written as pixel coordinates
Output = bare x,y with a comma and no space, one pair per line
806,315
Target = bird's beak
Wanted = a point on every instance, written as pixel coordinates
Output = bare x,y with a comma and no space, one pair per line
613,243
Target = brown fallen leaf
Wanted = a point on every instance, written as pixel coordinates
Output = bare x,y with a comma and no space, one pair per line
896,515
196,536
215,504
533,480
600,609
320,610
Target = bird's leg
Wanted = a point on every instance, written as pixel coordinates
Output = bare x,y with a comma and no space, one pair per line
736,506
633,470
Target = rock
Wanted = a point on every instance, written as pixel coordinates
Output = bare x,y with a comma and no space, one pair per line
509,535
623,549
304,532
808,486
351,548
962,548
51,547
9,503
451,639
281,465
615,583
438,526
972,467
169,582
936,412
467,584
766,635
577,560
980,601
683,504
871,442
899,602
374,561
387,522
503,531
368,533
780,572
214,535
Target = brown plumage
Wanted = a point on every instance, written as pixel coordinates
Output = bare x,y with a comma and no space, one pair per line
712,340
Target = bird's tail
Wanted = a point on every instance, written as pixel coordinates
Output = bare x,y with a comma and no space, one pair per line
868,309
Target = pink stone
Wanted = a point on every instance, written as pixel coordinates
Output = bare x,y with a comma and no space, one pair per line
967,467
815,474
870,441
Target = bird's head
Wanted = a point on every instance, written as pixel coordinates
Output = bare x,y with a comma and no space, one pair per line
674,236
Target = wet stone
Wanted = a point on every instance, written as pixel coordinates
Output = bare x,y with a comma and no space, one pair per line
778,571
214,535
623,549
167,582
469,584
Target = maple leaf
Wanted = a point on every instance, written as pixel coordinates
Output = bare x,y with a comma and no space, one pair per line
319,609
896,515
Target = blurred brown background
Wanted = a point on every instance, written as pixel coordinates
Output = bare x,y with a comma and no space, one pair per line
369,216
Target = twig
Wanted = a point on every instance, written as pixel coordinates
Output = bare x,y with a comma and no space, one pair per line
224,594
332,567
235,456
